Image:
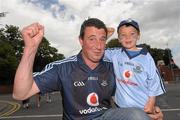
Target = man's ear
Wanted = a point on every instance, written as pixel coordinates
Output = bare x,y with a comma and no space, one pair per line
81,41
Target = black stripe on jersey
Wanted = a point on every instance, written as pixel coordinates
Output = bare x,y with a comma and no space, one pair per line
161,81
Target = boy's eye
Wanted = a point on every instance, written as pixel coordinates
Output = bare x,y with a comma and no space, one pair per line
132,34
122,36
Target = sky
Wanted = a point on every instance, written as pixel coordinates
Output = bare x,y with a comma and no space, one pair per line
159,20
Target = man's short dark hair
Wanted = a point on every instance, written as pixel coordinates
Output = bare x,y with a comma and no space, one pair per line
92,22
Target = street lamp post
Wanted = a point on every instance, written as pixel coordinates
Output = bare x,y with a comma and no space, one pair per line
171,68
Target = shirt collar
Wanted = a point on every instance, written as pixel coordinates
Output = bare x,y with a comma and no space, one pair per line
81,60
143,51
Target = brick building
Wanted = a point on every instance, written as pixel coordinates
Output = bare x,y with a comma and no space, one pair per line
169,73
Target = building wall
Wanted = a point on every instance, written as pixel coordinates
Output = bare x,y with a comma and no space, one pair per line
169,74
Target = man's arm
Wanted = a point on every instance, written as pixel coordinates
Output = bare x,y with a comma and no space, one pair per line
24,85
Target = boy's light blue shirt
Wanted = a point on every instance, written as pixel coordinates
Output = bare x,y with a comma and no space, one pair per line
137,77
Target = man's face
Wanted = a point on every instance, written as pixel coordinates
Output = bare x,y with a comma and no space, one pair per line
93,44
128,37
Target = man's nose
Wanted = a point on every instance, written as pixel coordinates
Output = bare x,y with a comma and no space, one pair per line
98,44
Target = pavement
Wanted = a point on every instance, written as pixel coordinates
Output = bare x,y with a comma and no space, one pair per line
3,106
8,107
12,109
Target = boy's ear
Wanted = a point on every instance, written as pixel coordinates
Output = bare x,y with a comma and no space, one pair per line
119,40
139,36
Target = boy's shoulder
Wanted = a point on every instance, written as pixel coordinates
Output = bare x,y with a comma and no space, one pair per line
143,50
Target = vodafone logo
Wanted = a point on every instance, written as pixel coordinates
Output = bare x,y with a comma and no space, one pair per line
92,99
127,74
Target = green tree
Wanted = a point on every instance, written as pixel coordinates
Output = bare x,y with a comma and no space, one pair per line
113,43
45,55
8,63
8,60
13,37
167,56
157,54
11,50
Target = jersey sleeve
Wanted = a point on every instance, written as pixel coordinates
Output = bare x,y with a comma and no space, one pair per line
48,80
155,82
110,52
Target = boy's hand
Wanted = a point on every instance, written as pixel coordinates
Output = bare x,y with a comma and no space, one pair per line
157,115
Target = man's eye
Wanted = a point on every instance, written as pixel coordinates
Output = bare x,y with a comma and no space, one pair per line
103,39
92,39
122,35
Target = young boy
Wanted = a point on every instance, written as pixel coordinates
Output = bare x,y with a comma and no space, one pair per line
137,78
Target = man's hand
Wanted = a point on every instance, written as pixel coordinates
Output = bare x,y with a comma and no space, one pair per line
32,35
157,115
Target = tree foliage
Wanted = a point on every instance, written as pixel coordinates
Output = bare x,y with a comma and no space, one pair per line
113,43
8,62
11,50
45,55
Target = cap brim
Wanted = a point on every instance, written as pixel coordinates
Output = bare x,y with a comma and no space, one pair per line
136,27
110,31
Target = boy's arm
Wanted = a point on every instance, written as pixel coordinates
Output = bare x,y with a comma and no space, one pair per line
154,80
108,53
149,107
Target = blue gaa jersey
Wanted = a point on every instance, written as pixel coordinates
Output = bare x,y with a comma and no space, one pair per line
137,77
86,93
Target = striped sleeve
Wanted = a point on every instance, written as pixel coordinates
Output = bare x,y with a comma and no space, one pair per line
155,81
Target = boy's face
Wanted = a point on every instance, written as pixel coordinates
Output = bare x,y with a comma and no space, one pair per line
128,36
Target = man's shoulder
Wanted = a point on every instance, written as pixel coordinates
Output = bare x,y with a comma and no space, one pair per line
66,60
107,63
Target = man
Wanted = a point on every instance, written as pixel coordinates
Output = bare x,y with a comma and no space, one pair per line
86,81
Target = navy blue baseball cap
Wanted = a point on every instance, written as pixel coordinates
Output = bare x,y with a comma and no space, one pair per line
129,22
